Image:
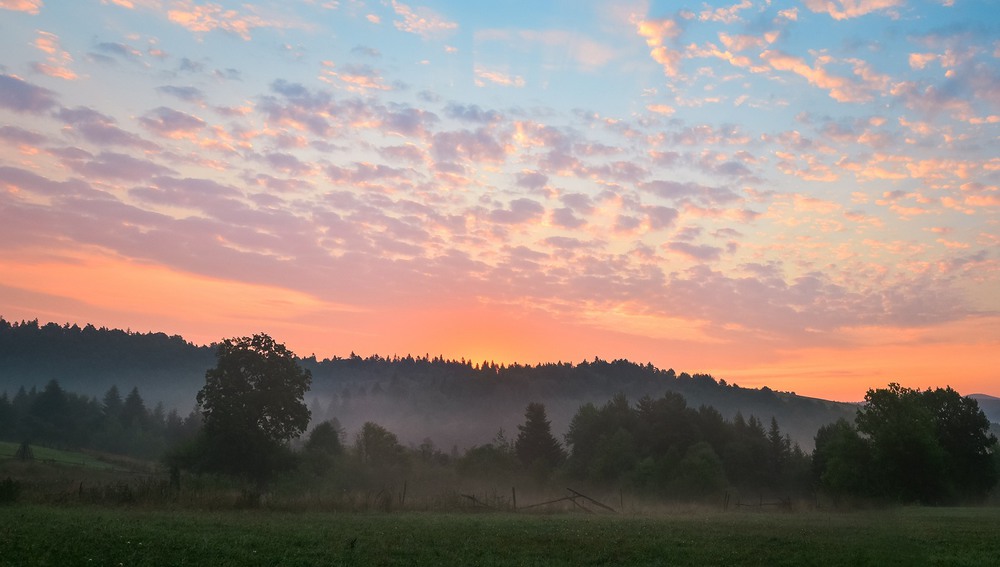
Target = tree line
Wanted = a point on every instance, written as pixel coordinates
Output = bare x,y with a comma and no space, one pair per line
252,423
116,424
431,390
253,401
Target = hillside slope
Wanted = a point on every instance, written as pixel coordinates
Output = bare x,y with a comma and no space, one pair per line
454,403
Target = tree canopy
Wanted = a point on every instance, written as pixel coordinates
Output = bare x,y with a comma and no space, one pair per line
252,405
931,446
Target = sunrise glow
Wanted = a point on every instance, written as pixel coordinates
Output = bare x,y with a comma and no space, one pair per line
800,195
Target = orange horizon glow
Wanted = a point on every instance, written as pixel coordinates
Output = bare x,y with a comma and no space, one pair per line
117,293
714,187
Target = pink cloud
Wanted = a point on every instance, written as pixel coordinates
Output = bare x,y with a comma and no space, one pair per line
477,146
840,89
519,211
355,78
100,129
111,165
847,9
726,15
486,76
203,18
57,61
421,21
32,7
658,33
171,123
20,136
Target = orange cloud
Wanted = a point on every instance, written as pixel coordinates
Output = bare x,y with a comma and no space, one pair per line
58,60
484,76
657,33
841,89
203,18
421,21
30,6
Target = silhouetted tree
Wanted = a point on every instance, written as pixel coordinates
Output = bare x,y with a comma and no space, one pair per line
910,446
841,460
535,447
133,411
377,447
327,437
7,419
113,403
251,406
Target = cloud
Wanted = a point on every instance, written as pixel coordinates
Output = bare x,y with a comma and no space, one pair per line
847,9
110,165
204,18
288,164
566,218
658,34
355,78
200,194
421,21
366,51
663,109
120,49
701,253
32,7
21,136
690,191
477,146
726,14
187,94
18,95
496,77
366,174
23,180
100,129
520,211
532,180
840,89
472,113
660,217
57,61
171,123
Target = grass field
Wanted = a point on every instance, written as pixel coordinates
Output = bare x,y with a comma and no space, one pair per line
74,535
44,454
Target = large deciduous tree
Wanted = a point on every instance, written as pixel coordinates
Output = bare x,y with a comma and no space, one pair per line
251,405
931,446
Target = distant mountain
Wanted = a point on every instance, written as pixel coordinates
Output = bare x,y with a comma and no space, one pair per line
990,406
454,403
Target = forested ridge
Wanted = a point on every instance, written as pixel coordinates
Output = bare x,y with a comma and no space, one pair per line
456,402
653,435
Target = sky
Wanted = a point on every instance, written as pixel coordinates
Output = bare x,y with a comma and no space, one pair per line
802,195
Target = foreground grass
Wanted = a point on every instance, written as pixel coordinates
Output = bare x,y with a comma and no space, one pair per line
66,536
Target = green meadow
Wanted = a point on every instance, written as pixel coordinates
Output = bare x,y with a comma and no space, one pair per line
32,534
55,456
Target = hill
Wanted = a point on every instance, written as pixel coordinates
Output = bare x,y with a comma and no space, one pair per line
990,406
454,403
